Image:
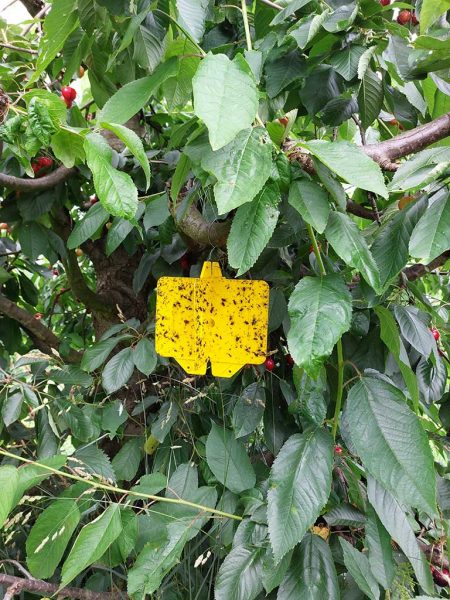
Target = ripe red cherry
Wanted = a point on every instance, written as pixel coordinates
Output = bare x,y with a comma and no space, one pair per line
414,19
289,360
93,199
435,333
45,162
36,167
68,103
338,450
68,93
440,578
269,363
38,316
55,272
184,262
404,17
385,2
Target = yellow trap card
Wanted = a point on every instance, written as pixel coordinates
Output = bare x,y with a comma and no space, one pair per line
212,319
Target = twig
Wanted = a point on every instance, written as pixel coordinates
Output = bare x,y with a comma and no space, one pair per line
40,14
17,585
271,4
11,47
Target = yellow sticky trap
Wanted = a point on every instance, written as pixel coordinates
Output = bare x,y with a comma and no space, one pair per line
212,319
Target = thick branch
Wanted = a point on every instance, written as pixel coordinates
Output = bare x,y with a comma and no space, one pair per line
33,6
35,185
194,226
416,271
37,586
44,337
384,153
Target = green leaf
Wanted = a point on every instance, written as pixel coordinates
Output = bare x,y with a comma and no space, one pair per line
391,338
130,98
431,235
11,408
167,416
40,121
159,555
320,309
349,244
312,574
292,7
346,61
252,228
192,16
430,11
50,535
68,147
92,542
390,247
91,222
423,167
273,574
414,329
118,370
247,158
31,474
228,460
71,375
94,461
359,568
33,239
115,189
126,462
179,177
397,524
219,84
248,410
350,163
381,556
117,233
370,98
156,212
144,356
299,486
150,484
9,487
96,355
239,576
311,201
58,25
284,71
391,442
134,145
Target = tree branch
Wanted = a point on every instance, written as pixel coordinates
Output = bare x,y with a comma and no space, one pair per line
37,586
44,338
34,185
419,270
194,226
384,153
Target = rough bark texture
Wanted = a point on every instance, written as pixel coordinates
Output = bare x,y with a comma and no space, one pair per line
16,585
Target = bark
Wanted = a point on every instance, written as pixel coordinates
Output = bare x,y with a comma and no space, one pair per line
45,339
33,6
35,185
419,270
16,585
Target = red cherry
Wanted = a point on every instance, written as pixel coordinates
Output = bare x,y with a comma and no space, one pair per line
269,363
36,167
404,17
283,121
414,19
338,450
38,316
185,262
289,360
385,2
55,272
68,93
435,333
68,103
440,578
45,162
93,199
